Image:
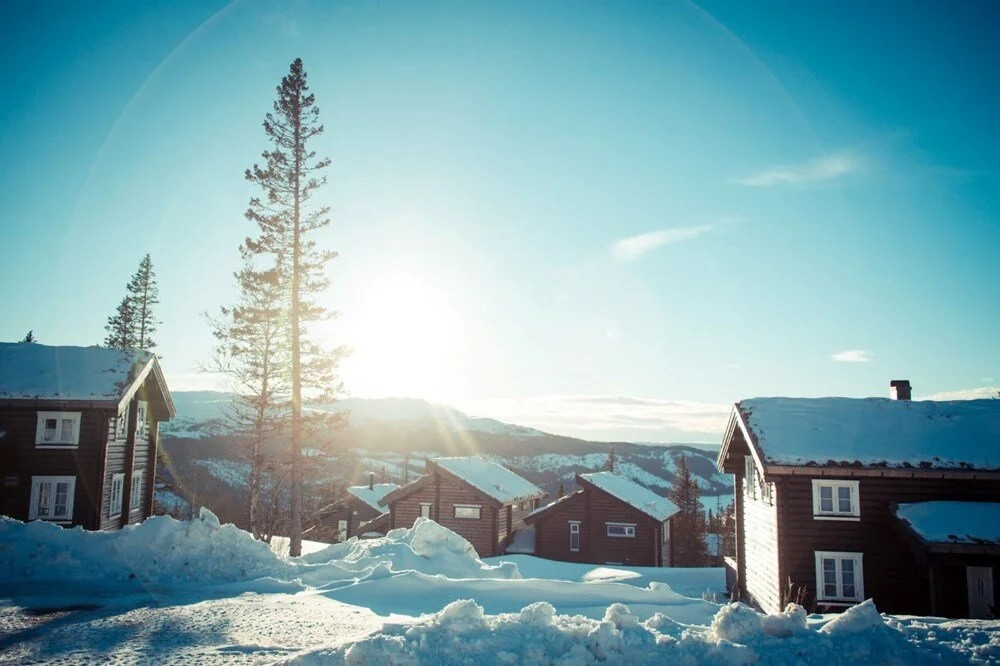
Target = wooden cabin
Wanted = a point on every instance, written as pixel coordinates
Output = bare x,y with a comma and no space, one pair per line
79,429
834,497
359,505
609,520
480,500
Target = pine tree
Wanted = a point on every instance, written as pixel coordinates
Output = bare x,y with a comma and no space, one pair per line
30,337
688,525
121,326
609,464
562,490
144,294
289,179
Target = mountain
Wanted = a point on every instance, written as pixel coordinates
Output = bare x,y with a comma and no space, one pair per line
392,437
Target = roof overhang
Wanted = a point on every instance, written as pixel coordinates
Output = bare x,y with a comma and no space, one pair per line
737,431
152,366
559,502
924,548
881,472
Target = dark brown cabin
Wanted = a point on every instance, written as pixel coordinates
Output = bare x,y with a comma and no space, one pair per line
480,500
609,520
79,428
818,484
358,505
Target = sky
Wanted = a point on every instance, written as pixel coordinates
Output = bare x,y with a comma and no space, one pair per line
608,220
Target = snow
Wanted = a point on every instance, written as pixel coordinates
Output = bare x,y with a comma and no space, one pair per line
231,472
42,372
876,431
523,541
495,480
639,497
371,496
953,522
170,591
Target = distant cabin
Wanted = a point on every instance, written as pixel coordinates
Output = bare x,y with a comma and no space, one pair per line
609,520
480,500
843,499
358,505
79,429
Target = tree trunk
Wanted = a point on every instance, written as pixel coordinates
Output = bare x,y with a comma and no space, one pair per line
295,527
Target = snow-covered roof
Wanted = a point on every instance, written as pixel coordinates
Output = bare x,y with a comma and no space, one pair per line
371,496
875,432
495,480
553,503
86,374
953,522
639,497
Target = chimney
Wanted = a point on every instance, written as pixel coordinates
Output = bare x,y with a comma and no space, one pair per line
371,480
899,389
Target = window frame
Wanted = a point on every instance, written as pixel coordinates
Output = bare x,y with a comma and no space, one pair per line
628,530
40,443
749,477
420,510
341,530
135,490
574,533
36,482
121,423
118,479
141,425
855,489
839,557
478,508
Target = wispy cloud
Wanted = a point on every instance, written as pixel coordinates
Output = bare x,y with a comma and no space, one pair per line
824,168
852,356
633,247
965,394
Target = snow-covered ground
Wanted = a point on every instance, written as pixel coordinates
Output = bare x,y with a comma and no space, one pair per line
171,591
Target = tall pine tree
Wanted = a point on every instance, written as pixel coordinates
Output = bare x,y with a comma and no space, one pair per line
121,326
30,337
286,219
688,525
133,322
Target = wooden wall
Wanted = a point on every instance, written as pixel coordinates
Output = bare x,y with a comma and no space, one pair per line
762,579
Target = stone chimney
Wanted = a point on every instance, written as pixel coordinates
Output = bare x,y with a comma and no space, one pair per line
899,389
371,479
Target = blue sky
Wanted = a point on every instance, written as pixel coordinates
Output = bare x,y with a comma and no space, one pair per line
602,219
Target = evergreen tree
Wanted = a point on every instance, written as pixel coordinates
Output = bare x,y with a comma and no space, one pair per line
30,337
609,464
121,326
144,294
562,490
688,525
289,179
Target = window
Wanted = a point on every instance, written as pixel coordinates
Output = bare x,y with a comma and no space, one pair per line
839,577
341,530
135,492
425,509
468,511
749,477
52,498
574,536
835,500
58,429
121,431
141,428
621,530
117,483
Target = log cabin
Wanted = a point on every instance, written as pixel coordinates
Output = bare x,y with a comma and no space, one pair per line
79,429
480,500
609,520
358,505
840,500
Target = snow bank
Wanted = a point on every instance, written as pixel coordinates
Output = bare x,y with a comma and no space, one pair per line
461,633
158,552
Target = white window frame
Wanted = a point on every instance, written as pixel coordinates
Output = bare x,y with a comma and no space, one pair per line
36,483
341,530
627,530
141,426
749,477
859,577
117,483
468,508
427,506
835,484
121,424
72,443
574,531
135,489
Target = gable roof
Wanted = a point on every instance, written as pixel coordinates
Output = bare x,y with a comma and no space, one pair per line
953,522
40,373
496,481
628,491
372,496
867,433
557,502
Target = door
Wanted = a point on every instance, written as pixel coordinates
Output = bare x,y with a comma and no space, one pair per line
980,592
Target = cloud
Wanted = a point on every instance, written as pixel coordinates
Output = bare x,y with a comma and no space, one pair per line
965,394
824,168
852,356
633,247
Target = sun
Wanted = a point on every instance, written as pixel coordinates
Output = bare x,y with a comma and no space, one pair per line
407,339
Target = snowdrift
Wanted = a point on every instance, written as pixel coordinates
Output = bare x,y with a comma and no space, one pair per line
462,633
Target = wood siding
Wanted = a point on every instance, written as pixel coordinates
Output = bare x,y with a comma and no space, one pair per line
349,508
762,576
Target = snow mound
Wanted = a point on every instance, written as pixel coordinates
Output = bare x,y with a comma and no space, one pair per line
461,633
427,548
160,552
